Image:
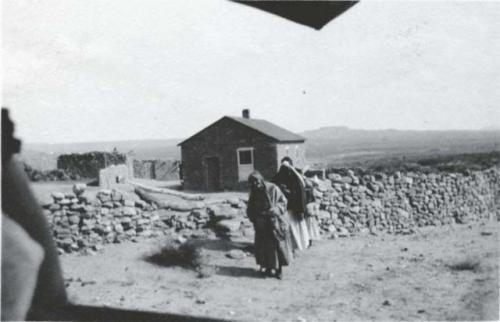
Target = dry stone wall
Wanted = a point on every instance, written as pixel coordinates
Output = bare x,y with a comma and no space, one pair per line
347,204
82,221
87,165
400,202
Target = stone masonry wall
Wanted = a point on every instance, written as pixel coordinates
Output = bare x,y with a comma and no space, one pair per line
346,205
87,165
400,202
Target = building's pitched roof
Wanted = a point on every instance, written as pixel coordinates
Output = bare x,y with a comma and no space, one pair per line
269,129
264,127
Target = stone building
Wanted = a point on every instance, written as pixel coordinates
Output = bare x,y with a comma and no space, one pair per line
222,155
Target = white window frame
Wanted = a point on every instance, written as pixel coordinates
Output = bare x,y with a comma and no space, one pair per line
242,175
251,149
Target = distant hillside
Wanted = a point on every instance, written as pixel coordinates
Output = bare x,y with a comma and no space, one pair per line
44,155
328,145
341,145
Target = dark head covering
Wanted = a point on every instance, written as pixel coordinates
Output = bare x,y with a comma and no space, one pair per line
293,189
258,200
288,159
256,177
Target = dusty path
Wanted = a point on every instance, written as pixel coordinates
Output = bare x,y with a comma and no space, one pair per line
364,278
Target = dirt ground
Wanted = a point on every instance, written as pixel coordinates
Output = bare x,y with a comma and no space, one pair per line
368,277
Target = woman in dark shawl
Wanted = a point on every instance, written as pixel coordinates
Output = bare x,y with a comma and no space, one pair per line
267,211
293,187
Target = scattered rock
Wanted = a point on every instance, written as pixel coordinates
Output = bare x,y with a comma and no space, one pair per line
181,239
129,203
236,254
57,195
79,188
343,232
129,211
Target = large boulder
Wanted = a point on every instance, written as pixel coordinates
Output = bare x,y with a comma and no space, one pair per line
227,226
181,206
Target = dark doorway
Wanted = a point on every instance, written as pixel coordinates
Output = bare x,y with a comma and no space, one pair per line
213,174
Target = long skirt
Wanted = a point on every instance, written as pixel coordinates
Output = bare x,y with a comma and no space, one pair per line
313,228
270,252
299,233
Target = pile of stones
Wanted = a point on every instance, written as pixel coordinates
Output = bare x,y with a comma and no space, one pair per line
227,217
83,222
229,220
80,221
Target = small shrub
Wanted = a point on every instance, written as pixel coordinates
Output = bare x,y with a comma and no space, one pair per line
465,265
186,255
205,271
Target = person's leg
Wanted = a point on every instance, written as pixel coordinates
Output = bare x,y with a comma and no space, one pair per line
279,272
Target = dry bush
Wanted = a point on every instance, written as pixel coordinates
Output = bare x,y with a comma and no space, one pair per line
186,255
206,270
468,264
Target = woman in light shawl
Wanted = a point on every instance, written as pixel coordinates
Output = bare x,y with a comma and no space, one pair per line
292,185
312,210
267,210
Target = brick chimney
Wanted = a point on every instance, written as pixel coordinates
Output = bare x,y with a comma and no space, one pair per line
246,113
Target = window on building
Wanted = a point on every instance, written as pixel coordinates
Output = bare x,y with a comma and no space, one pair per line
245,156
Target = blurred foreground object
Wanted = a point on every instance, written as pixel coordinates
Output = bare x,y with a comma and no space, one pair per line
315,14
20,206
21,259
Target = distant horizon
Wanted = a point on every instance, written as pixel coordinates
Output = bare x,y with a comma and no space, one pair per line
311,130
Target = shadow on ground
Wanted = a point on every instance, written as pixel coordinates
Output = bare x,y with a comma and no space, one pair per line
223,245
235,271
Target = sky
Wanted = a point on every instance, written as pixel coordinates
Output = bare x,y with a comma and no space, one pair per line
89,70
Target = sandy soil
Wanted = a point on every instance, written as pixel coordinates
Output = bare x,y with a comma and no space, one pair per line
363,278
